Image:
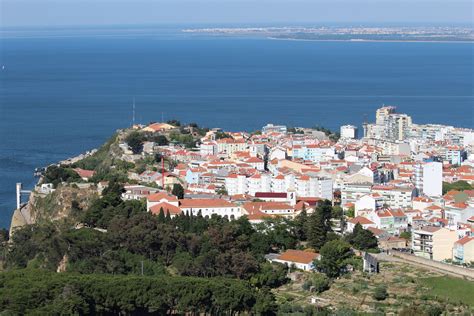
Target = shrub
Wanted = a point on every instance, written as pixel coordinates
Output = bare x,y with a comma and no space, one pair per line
320,283
380,293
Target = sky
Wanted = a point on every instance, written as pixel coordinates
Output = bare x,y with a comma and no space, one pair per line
123,12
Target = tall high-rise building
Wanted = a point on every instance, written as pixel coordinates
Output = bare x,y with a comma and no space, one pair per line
397,126
381,115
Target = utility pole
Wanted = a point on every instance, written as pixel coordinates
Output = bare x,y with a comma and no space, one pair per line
142,266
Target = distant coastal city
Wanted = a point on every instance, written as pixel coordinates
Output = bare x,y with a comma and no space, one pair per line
237,158
359,33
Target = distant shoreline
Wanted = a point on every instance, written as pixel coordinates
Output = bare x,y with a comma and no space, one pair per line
362,40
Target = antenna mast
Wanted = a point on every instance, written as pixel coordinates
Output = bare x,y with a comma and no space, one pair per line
133,113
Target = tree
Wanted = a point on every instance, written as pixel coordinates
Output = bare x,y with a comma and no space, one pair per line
135,141
221,191
271,275
320,225
160,140
57,174
337,212
361,238
174,122
129,295
333,257
301,224
405,235
178,190
319,283
460,185
221,135
161,215
351,212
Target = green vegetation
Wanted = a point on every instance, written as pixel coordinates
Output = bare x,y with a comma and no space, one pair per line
319,226
294,130
380,293
362,239
405,235
351,212
188,245
174,122
317,283
334,258
460,185
101,159
158,139
221,191
178,190
57,175
48,293
135,141
334,136
221,135
186,139
453,289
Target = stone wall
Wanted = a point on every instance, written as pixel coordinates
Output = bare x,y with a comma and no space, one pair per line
461,271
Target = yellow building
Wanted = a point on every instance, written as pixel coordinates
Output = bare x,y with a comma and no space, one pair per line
434,243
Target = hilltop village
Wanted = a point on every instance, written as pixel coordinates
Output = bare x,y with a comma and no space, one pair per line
317,201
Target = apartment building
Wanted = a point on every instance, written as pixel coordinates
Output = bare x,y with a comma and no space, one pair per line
435,243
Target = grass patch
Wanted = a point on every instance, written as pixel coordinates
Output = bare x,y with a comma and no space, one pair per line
453,289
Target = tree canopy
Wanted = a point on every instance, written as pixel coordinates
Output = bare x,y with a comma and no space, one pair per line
135,141
50,293
361,238
334,256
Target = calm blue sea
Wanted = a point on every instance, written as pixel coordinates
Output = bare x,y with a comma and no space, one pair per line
64,92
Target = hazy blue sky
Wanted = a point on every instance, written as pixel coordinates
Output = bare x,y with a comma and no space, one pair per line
93,12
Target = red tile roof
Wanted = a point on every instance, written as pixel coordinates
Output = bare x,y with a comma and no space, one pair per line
270,195
157,197
298,256
173,210
361,220
204,203
464,240
84,173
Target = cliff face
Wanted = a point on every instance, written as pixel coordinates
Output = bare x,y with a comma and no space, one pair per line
67,201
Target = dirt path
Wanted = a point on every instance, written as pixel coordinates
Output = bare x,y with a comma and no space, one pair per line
426,264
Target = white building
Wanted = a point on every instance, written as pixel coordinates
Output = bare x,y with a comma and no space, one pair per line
208,207
348,131
208,149
363,221
236,184
395,197
368,202
351,192
458,213
277,153
429,178
270,128
302,260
